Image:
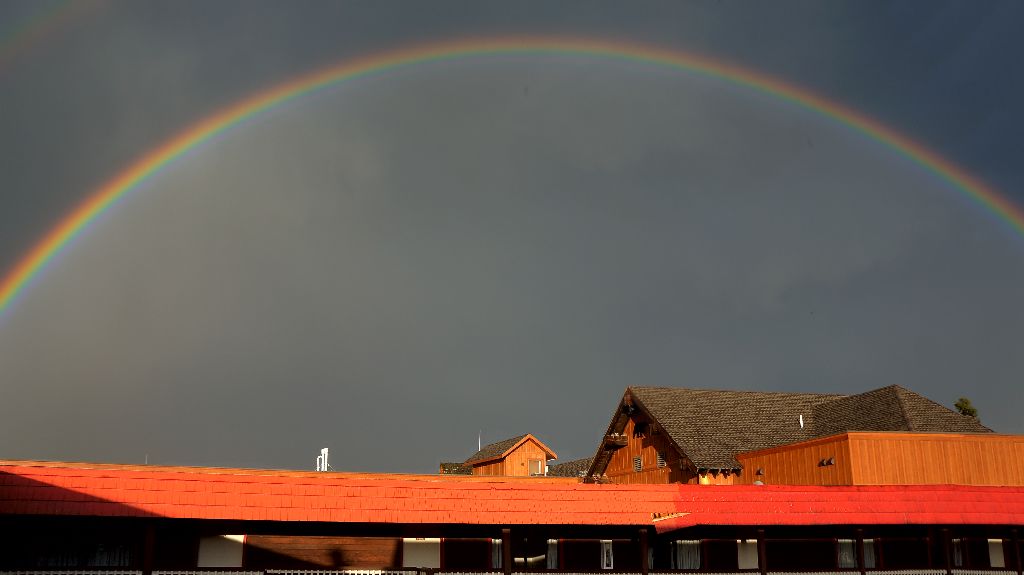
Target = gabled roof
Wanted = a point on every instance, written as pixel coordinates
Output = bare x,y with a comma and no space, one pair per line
501,449
711,426
59,489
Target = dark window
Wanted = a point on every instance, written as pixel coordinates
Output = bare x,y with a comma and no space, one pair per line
638,464
720,555
467,554
661,459
903,553
800,555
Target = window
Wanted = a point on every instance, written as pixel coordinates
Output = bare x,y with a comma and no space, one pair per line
607,558
996,558
746,553
661,459
536,467
958,553
869,553
638,464
686,554
496,554
847,554
552,563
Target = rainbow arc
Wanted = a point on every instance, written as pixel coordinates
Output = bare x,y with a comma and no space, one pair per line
152,162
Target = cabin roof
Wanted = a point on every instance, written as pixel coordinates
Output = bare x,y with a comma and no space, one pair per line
711,426
501,449
59,489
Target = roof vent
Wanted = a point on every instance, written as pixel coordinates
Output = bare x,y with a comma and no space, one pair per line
801,421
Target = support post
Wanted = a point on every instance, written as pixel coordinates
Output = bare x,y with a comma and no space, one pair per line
506,551
930,540
1015,541
645,566
762,554
860,551
148,546
946,551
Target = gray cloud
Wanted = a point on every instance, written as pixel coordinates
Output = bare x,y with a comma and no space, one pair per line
496,244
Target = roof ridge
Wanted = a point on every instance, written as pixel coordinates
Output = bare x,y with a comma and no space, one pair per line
898,392
711,389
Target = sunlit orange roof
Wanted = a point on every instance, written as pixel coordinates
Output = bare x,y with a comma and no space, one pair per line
52,488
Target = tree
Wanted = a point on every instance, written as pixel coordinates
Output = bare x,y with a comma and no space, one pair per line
963,405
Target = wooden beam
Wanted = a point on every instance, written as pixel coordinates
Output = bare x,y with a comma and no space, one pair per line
930,540
762,553
1015,541
506,551
645,566
148,546
860,550
946,551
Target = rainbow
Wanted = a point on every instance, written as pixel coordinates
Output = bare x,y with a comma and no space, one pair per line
15,281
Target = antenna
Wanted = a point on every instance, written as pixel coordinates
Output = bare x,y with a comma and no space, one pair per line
321,461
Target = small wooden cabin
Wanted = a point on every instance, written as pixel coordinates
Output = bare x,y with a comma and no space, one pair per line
520,456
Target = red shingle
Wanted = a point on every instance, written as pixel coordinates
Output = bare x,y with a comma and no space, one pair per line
27,488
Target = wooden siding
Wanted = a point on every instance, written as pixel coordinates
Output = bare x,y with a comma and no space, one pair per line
799,464
933,458
494,468
889,458
646,446
516,463
283,551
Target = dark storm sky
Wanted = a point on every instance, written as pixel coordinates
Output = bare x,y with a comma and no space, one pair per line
501,244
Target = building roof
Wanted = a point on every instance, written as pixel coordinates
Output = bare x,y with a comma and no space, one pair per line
501,449
711,426
891,408
64,489
574,468
455,468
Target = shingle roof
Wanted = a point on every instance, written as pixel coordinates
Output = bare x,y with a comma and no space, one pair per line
59,489
574,468
455,468
891,408
495,449
711,426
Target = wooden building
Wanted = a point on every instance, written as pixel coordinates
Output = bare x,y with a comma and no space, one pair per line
696,436
520,456
78,518
887,458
